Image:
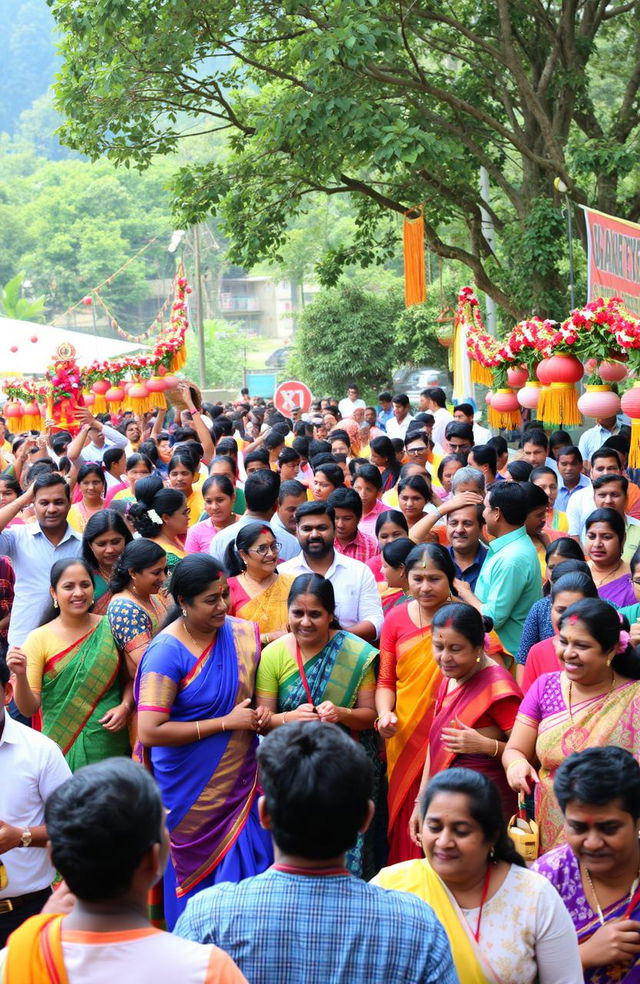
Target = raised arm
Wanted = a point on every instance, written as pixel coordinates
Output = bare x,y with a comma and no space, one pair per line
199,425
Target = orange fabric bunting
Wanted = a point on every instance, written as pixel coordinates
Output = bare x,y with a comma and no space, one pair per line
415,289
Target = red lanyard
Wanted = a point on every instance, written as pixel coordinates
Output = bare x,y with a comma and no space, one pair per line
303,676
485,891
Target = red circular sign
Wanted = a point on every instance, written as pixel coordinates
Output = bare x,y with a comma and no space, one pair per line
292,394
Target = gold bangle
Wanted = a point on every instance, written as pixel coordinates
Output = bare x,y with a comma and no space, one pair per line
198,729
223,727
267,640
495,754
284,717
516,762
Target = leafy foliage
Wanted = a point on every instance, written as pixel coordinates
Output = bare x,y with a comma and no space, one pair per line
223,349
351,331
388,104
12,305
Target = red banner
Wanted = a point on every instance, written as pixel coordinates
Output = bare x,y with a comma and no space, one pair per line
613,256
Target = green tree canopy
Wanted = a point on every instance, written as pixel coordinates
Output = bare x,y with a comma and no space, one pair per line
351,331
393,104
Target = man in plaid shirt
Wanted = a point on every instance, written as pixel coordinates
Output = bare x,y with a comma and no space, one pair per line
306,919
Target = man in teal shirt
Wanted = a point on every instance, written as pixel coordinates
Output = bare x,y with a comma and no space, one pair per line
510,580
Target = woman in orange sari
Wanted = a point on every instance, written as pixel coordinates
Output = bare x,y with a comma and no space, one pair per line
476,705
407,685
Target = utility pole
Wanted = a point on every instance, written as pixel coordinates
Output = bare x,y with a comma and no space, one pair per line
199,307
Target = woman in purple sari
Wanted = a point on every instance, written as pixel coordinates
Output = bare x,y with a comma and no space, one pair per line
597,872
194,690
605,534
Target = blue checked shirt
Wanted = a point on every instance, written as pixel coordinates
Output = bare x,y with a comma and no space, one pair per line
330,929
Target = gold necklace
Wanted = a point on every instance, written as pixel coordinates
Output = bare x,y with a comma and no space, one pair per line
606,696
599,584
632,891
146,605
196,645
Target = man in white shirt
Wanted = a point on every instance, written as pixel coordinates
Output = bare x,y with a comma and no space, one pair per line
358,607
594,437
351,401
398,425
605,461
464,413
94,438
437,405
261,494
31,767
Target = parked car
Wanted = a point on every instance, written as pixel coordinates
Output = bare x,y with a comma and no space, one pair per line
412,380
278,358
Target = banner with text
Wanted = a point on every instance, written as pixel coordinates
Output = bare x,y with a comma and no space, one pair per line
613,256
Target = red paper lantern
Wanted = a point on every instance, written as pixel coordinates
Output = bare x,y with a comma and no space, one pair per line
101,386
14,348
87,300
34,339
599,401
13,409
517,376
612,372
31,410
541,372
115,394
564,369
529,395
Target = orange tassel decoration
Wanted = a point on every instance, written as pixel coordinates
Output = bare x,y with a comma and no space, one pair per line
559,405
415,289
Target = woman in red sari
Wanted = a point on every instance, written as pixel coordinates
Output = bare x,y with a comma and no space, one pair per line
476,704
407,684
543,658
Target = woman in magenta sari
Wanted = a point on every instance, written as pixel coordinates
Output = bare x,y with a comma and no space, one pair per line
194,689
476,703
597,872
605,534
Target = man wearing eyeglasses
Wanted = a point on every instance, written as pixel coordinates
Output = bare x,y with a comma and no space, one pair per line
416,446
458,438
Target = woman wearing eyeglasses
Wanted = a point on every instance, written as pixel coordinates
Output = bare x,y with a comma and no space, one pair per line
257,592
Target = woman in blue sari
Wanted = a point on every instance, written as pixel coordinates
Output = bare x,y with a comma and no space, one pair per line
194,690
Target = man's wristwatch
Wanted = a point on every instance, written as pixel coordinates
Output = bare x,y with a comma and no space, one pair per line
25,839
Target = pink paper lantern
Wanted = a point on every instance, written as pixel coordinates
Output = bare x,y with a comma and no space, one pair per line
87,300
517,377
505,401
115,394
101,386
529,395
14,348
612,372
34,339
157,384
138,391
599,401
564,369
488,398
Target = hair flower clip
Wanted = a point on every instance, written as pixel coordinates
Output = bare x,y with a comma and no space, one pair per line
153,516
625,639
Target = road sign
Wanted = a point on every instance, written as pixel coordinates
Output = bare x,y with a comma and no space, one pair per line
292,394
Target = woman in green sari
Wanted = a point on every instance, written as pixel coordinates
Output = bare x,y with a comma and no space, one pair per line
318,671
70,670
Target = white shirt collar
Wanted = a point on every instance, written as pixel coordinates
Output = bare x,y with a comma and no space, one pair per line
10,732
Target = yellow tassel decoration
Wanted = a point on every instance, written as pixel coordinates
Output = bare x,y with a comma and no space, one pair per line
634,452
480,374
559,405
415,289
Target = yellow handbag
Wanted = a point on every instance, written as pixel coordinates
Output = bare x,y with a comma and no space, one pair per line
525,834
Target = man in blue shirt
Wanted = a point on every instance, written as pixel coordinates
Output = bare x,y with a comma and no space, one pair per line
572,477
464,527
510,580
306,918
385,413
595,437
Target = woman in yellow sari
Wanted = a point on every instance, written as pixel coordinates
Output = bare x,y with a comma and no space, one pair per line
70,669
503,923
594,700
257,592
408,682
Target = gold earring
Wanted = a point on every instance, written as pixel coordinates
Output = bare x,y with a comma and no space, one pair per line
55,602
609,662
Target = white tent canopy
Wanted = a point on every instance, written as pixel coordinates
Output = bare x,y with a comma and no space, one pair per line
33,357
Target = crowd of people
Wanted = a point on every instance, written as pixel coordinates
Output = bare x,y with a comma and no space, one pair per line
350,646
